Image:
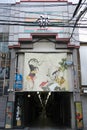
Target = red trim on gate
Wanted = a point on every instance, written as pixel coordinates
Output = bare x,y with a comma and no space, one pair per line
65,40
14,46
25,39
50,34
43,34
72,46
43,1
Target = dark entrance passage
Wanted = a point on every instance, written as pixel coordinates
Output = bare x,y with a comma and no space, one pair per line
46,109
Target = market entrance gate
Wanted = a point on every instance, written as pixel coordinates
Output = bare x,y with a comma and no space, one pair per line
42,109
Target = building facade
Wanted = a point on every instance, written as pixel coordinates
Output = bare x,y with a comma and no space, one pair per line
44,87
4,62
83,82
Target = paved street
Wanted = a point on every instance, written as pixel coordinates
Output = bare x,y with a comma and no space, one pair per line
48,128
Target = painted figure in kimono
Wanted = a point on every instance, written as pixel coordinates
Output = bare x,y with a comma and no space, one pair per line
33,66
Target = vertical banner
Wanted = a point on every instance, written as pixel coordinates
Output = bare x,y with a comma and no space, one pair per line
9,115
79,115
18,81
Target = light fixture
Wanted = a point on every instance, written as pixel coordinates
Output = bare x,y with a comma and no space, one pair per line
37,92
10,90
84,90
28,95
49,93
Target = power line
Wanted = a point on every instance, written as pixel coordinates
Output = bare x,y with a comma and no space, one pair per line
22,23
76,10
36,24
34,12
32,18
40,12
82,5
38,5
41,5
79,16
33,6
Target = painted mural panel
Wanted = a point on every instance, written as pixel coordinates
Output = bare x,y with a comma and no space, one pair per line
45,72
9,115
79,115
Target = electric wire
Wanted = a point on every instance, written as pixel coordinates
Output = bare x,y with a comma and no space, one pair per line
24,18
74,14
32,18
76,10
82,5
50,25
30,24
41,5
39,13
79,16
38,5
31,12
